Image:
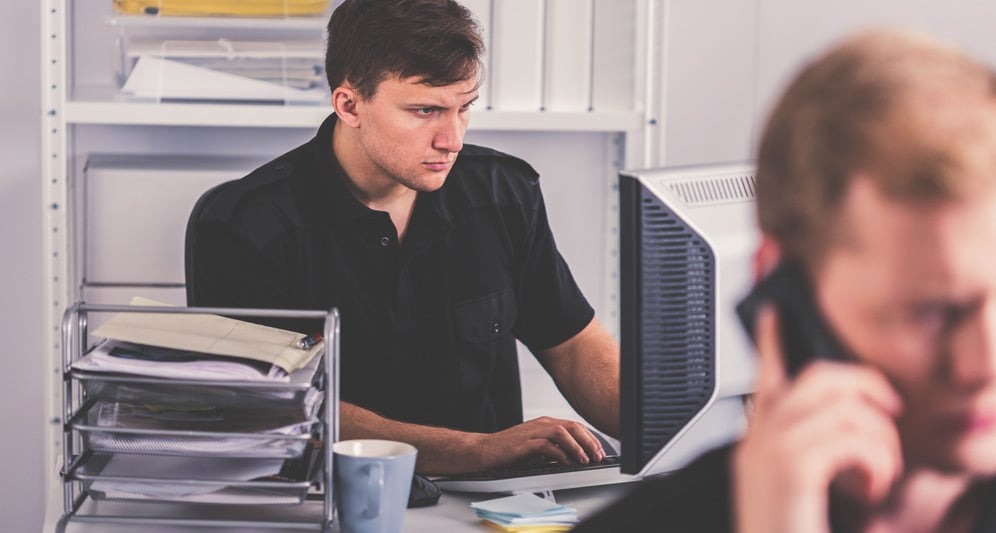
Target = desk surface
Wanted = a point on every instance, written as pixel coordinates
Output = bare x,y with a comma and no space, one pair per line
452,513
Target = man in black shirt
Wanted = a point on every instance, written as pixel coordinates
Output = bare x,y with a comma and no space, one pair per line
877,174
438,255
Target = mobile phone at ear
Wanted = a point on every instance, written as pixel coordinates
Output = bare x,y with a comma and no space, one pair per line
805,334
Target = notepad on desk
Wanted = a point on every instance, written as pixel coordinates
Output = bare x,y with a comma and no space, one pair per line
525,513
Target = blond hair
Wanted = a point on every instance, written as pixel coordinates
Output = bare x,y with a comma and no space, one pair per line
915,115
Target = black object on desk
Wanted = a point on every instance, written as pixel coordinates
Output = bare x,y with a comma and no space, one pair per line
424,492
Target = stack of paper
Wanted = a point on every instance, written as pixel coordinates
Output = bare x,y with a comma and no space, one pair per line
526,512
198,346
223,70
117,427
164,468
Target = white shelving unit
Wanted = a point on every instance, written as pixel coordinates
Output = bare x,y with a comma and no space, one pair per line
274,116
249,23
83,115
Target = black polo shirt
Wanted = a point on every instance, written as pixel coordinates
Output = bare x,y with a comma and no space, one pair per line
428,327
699,498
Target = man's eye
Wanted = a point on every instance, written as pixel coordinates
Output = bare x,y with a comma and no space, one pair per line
927,315
424,110
934,316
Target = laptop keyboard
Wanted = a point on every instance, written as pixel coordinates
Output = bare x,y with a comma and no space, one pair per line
521,471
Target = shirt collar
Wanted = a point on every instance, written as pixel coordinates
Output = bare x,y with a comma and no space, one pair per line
330,179
334,197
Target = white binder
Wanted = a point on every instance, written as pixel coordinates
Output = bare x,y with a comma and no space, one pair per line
517,55
567,84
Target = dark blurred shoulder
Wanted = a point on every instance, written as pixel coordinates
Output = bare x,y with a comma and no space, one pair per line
695,499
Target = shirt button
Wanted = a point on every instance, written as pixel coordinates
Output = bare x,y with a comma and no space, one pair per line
384,241
496,327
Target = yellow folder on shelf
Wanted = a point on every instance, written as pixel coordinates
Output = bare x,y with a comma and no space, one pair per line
232,8
212,334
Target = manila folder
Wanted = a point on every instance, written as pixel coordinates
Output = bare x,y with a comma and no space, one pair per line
213,334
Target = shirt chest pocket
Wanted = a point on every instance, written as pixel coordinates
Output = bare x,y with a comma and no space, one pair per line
485,319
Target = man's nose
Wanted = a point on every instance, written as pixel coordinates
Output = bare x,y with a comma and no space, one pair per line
973,356
449,136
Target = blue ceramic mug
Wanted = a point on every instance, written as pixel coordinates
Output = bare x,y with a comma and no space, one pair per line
372,481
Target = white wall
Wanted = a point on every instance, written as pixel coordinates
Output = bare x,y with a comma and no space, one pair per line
711,66
727,61
21,408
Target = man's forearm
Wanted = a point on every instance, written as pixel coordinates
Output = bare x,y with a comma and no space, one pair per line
440,450
594,391
586,370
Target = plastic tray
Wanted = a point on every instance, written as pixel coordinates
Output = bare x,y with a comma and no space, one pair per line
125,428
197,479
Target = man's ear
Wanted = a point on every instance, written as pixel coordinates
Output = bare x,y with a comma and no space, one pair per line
767,255
344,100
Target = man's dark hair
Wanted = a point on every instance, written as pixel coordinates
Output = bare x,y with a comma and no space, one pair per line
436,40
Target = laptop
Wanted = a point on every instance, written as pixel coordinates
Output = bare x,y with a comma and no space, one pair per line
541,477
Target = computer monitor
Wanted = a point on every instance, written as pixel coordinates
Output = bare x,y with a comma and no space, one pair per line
687,235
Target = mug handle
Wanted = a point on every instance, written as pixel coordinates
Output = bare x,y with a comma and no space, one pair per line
375,486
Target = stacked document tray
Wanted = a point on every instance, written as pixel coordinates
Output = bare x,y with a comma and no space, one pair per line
224,70
190,479
226,443
153,429
269,52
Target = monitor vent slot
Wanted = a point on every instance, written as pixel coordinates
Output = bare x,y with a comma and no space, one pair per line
714,190
678,363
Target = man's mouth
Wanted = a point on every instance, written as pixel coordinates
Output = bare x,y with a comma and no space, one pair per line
437,166
972,421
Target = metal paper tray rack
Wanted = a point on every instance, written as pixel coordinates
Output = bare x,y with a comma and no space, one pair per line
82,466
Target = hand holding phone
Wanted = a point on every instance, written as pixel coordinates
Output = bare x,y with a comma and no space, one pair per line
811,430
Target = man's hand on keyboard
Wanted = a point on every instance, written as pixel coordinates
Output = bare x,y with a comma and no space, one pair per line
564,441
